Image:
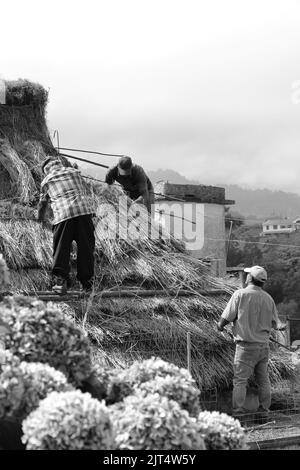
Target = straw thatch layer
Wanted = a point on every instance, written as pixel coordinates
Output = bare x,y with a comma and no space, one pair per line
124,330
24,186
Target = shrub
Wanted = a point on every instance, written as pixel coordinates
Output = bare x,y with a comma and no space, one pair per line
118,389
41,333
143,371
69,421
11,384
152,422
40,380
115,383
221,432
23,385
181,391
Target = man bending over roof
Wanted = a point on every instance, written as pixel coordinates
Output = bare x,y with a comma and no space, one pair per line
134,181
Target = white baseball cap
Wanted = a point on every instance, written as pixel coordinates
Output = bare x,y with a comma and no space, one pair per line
259,273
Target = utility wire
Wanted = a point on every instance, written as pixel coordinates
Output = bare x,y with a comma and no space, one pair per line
256,243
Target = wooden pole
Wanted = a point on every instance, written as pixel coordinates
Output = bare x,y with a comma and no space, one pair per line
288,331
188,350
229,236
74,295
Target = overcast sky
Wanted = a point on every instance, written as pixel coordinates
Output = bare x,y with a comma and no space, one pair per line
202,87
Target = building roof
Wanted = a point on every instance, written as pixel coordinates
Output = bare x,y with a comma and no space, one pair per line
191,193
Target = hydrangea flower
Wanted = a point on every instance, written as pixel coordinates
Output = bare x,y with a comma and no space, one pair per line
40,380
115,382
149,369
221,432
41,333
23,385
11,384
69,421
152,422
180,390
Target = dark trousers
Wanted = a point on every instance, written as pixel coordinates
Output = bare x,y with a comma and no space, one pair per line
80,229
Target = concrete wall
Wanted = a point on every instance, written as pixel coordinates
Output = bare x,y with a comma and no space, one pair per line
214,237
205,237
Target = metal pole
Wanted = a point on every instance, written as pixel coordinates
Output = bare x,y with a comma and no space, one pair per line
56,133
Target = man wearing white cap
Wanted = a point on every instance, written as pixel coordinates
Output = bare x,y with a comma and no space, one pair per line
253,314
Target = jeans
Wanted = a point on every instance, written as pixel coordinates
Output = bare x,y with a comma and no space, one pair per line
251,358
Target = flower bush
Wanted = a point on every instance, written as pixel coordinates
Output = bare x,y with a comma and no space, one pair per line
149,369
115,382
11,384
23,385
40,380
221,432
118,388
152,422
181,391
41,333
69,421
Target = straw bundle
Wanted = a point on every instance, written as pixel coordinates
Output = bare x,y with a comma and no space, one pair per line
33,154
25,244
22,118
19,172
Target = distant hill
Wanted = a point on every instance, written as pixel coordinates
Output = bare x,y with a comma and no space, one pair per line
256,203
171,176
263,203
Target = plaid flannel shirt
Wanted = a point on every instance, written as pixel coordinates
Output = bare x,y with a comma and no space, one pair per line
64,189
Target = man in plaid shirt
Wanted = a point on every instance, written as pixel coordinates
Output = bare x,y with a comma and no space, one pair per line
63,187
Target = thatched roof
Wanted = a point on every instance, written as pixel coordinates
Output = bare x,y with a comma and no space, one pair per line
121,329
24,139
